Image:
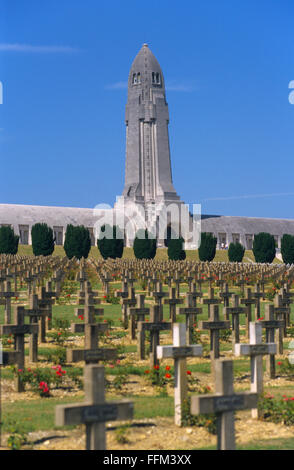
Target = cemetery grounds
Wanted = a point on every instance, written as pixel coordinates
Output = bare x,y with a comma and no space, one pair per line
28,417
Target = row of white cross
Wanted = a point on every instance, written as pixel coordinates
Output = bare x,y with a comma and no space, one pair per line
94,412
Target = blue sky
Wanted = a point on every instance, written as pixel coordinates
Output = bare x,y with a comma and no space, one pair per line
227,66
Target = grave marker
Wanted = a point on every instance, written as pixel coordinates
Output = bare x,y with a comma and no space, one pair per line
179,351
19,329
248,301
224,403
235,311
137,314
255,349
270,325
154,327
214,326
94,412
172,301
190,313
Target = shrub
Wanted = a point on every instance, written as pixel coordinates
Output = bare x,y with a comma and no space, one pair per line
160,377
287,248
110,247
264,248
17,435
110,299
175,249
207,247
41,379
208,421
286,368
236,252
77,242
42,239
8,241
57,355
144,246
277,410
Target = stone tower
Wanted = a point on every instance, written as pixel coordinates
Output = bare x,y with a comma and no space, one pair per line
148,176
149,198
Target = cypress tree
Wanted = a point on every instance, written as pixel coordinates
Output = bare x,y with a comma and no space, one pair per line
110,242
42,239
236,252
264,247
144,247
175,249
77,241
8,241
207,247
169,234
287,248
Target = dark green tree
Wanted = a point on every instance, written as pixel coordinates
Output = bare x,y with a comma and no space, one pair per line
175,249
287,248
144,246
236,252
110,242
169,235
207,247
264,247
42,239
8,241
77,241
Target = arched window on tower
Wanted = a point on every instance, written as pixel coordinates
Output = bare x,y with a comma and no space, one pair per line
134,79
156,78
138,77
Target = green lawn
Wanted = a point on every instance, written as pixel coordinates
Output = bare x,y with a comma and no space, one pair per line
221,255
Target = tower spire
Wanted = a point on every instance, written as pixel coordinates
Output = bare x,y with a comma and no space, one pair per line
148,176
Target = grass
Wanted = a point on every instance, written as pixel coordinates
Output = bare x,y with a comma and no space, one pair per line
161,254
33,415
39,415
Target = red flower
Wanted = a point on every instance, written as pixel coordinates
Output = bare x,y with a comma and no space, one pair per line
167,368
147,371
168,376
156,367
279,363
188,372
